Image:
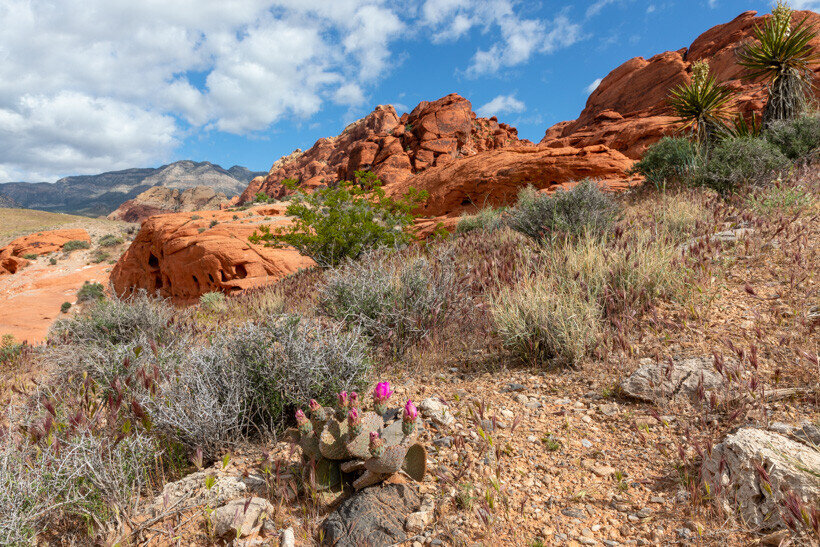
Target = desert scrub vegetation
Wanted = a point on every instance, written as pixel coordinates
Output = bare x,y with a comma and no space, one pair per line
672,161
90,291
396,299
583,208
9,349
110,240
797,139
487,219
213,301
739,161
75,245
343,221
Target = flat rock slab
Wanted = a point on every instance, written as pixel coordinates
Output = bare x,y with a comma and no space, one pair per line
676,380
738,485
372,517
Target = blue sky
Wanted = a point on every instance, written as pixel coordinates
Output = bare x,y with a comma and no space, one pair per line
122,84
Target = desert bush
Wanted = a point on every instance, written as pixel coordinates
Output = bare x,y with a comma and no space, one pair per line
394,298
679,215
65,307
76,244
339,222
736,161
30,256
797,139
98,255
248,378
670,161
542,321
9,349
91,291
780,198
52,261
110,240
117,321
485,220
583,208
213,301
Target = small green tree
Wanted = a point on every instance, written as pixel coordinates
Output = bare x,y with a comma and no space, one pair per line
782,54
342,221
701,103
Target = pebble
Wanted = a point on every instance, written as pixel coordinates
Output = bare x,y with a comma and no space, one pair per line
574,513
520,398
586,443
514,387
586,541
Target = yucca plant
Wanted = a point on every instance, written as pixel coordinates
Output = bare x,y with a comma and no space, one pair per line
739,126
782,54
702,103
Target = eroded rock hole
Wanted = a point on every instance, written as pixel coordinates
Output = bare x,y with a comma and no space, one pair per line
153,261
241,272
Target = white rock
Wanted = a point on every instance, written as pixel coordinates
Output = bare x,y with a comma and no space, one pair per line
658,382
234,517
789,465
437,411
288,539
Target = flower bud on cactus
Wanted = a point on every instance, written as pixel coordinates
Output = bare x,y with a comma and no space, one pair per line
305,427
381,393
342,403
354,399
408,423
316,410
354,422
376,444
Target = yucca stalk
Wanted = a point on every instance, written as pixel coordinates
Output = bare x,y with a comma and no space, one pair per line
782,54
701,104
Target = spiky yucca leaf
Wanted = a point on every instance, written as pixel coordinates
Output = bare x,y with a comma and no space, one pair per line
740,127
701,104
784,55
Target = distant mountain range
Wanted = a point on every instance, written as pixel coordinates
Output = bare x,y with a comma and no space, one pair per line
98,195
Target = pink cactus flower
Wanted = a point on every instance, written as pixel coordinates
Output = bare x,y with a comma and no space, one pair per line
354,399
343,400
382,392
314,406
300,417
410,411
353,417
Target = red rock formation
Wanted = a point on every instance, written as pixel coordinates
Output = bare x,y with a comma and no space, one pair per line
159,200
433,134
495,177
628,111
40,243
179,256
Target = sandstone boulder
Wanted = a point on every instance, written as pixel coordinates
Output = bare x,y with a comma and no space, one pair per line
185,255
752,469
158,200
39,243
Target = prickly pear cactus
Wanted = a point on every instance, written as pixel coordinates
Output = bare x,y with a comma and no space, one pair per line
348,440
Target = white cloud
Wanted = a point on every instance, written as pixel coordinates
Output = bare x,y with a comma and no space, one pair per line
597,6
500,105
593,86
120,83
805,4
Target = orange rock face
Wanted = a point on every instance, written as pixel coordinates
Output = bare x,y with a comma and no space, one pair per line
40,243
178,256
628,111
494,178
394,148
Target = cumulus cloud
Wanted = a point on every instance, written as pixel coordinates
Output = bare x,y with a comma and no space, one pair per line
500,105
120,83
593,86
805,4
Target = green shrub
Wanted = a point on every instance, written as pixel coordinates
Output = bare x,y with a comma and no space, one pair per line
262,197
195,217
741,160
332,224
110,240
583,208
98,255
65,307
485,220
9,349
395,299
796,139
213,223
52,261
90,291
213,301
30,256
669,161
76,244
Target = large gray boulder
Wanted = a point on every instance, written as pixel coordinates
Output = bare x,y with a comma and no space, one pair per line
676,380
372,517
734,480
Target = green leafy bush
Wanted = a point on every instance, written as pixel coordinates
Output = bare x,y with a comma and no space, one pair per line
52,261
30,256
583,208
741,160
343,221
797,139
669,161
110,240
76,244
98,255
394,299
485,220
90,291
65,307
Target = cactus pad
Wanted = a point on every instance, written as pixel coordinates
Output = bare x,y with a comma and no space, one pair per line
359,446
415,462
333,441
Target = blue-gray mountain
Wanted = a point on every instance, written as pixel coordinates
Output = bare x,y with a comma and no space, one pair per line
97,195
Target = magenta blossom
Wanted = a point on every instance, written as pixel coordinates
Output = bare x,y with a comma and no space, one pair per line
353,417
300,417
382,392
376,445
354,399
314,406
410,411
343,400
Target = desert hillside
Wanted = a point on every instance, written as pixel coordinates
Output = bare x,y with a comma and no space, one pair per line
427,331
